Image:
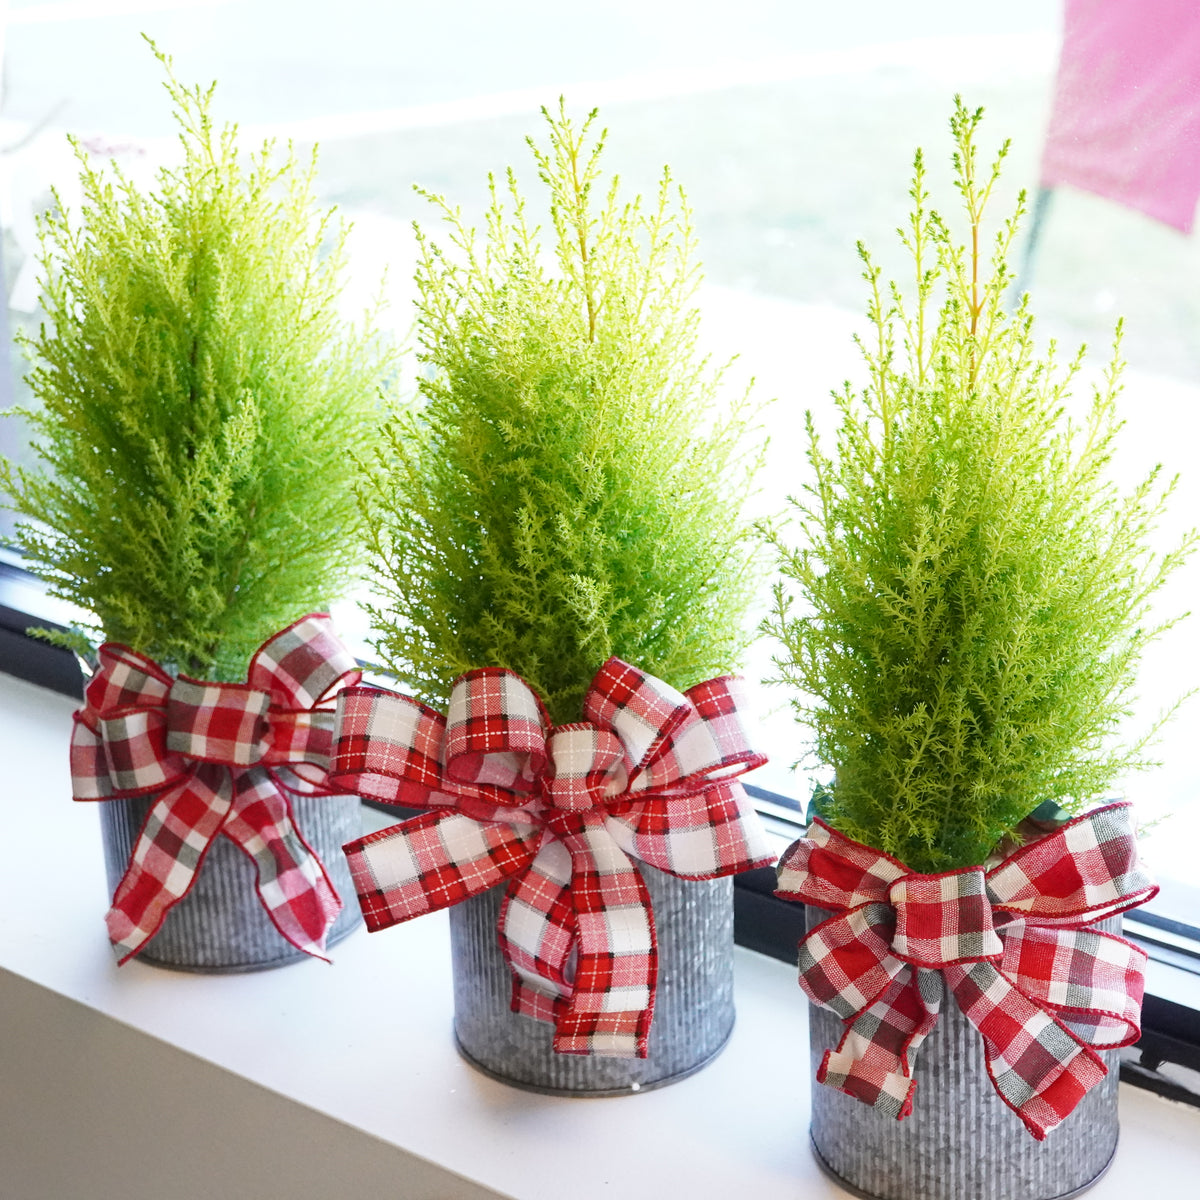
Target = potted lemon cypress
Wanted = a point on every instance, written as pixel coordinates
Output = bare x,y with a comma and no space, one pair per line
554,525
200,401
963,617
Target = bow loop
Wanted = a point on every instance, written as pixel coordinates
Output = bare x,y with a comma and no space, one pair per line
304,665
1084,872
828,870
124,678
495,732
386,746
713,741
91,772
641,710
943,919
674,741
1101,999
1042,990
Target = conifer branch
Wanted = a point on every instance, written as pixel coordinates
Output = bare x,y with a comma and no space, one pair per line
200,401
549,501
971,590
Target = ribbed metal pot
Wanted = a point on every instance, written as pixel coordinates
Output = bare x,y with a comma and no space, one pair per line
693,1010
220,927
961,1141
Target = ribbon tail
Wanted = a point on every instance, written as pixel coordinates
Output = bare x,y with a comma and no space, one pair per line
612,998
166,857
292,884
1039,1068
873,1061
538,934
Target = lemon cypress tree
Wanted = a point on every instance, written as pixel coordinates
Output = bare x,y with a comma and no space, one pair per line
200,402
567,485
965,610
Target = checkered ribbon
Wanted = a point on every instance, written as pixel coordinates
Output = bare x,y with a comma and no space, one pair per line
560,814
1010,943
220,758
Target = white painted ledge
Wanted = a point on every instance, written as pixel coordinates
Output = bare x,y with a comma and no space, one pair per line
316,1082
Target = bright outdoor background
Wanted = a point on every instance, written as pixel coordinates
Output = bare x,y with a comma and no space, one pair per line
792,126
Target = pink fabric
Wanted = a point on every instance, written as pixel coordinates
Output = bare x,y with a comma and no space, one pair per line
1126,118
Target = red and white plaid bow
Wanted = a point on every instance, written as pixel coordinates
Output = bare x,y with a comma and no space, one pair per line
221,758
1010,943
560,812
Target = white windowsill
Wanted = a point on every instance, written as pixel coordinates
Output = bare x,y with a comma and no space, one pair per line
314,1081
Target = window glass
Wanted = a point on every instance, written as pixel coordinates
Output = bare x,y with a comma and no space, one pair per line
791,126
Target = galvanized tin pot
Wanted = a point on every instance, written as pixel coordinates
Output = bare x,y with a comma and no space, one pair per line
220,927
693,1011
961,1142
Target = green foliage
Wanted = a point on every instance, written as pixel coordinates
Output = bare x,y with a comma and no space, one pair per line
975,590
200,403
567,489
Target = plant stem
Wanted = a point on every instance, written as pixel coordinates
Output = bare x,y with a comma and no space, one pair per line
581,232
